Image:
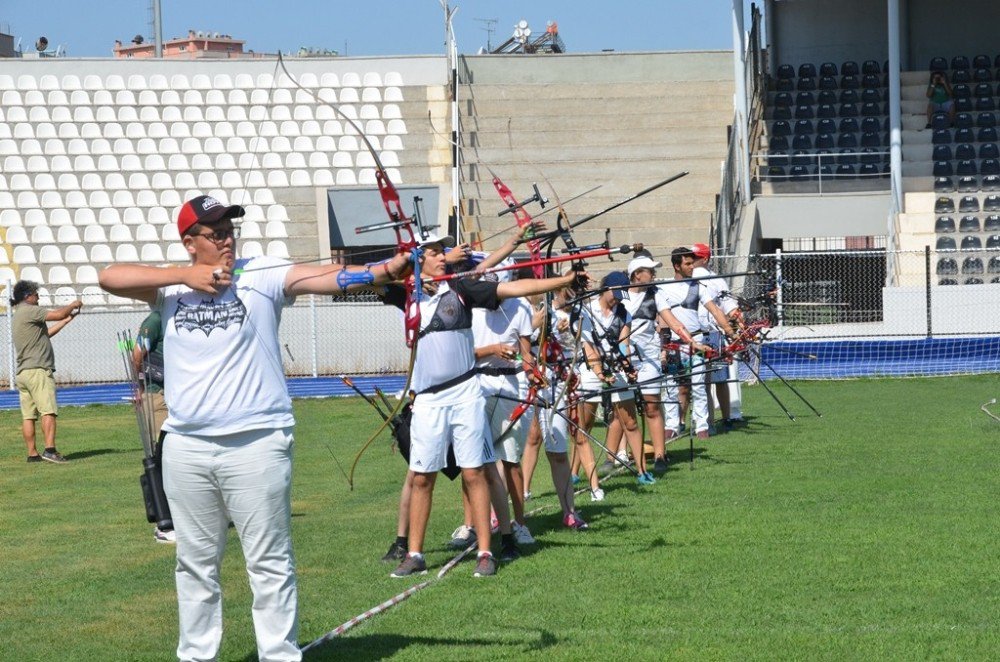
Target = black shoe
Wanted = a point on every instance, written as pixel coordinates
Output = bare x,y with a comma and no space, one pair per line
660,465
396,553
509,552
34,458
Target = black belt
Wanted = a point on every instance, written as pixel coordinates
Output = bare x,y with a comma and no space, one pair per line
454,381
496,372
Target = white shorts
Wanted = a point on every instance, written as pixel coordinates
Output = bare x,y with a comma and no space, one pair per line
463,425
590,382
649,374
554,427
718,373
498,411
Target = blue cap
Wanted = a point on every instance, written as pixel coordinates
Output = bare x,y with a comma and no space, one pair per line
616,279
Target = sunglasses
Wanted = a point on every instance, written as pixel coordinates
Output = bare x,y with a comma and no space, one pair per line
220,236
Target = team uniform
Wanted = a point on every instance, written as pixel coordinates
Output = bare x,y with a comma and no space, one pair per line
645,306
498,379
684,298
716,339
448,407
602,330
227,454
555,428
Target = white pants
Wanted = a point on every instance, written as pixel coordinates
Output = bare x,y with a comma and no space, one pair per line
698,396
245,478
502,393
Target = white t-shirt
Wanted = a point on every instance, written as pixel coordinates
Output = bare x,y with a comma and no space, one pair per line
222,359
719,287
645,306
684,297
505,325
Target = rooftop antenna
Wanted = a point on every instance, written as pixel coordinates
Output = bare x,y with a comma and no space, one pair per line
156,24
490,28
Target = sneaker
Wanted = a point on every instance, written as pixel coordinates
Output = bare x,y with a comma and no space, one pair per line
411,565
727,425
646,478
52,455
660,465
607,467
575,522
396,553
622,458
164,536
486,566
597,495
528,495
522,534
575,479
462,537
509,552
34,458
703,434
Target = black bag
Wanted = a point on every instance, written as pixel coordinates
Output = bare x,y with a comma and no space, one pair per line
151,482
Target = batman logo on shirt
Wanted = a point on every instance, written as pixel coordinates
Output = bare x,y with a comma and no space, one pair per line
208,315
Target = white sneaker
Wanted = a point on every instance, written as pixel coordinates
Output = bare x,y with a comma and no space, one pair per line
528,495
522,534
597,495
462,537
622,458
165,537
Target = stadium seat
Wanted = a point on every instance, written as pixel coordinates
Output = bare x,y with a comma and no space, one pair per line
972,265
849,82
943,169
945,244
944,205
941,137
76,254
947,281
23,253
783,71
59,275
943,185
994,263
151,253
968,223
966,168
947,267
827,83
277,249
944,225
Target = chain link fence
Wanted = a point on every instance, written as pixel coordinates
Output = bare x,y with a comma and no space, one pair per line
889,304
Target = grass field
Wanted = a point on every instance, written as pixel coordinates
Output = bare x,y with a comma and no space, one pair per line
870,533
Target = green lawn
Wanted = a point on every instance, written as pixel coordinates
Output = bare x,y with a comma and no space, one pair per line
870,533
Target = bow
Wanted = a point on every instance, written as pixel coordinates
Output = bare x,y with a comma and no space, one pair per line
523,218
406,242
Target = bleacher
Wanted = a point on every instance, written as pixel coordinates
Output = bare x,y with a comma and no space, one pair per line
951,171
829,122
94,167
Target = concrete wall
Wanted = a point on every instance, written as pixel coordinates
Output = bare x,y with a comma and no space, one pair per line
846,215
952,28
830,30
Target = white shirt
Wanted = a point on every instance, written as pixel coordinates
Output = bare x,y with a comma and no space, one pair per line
505,325
222,359
684,297
720,289
644,337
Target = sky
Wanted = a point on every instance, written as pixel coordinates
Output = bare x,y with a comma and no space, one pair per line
390,27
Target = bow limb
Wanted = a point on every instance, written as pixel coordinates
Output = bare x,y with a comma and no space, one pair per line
406,242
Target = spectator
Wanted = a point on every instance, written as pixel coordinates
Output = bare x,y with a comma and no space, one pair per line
942,98
35,365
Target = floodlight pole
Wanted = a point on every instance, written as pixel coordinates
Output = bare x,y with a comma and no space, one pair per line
895,114
157,30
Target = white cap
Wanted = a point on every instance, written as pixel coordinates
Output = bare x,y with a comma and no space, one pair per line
642,262
430,238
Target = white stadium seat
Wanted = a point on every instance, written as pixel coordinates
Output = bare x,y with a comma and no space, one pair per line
249,249
59,275
23,254
16,234
93,296
177,253
85,274
323,177
60,218
33,273
119,234
77,254
101,253
42,234
151,253
126,253
68,234
10,218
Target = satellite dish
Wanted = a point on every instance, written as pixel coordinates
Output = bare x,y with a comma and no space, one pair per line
138,39
523,24
41,44
527,32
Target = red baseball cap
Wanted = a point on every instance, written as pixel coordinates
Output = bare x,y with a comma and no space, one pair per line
701,251
205,209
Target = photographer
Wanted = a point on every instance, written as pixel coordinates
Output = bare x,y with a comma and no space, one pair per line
942,99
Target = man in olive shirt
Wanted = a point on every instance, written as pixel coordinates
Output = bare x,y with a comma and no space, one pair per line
35,365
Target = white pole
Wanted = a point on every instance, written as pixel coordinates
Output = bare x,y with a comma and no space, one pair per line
313,334
10,339
740,97
895,116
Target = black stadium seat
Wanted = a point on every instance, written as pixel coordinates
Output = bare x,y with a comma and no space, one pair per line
826,125
969,223
805,99
870,67
849,83
781,113
993,241
783,99
964,135
801,158
991,203
798,173
944,205
825,141
778,143
947,267
942,153
973,281
965,151
987,135
826,110
869,95
807,69
961,76
830,69
981,62
964,105
943,169
945,244
775,173
848,125
941,137
989,151
972,265
871,81
804,127
991,183
985,104
966,168
940,121
981,90
849,96
826,97
804,113
786,71
806,84
850,68
828,83
847,141
968,184
781,128
944,225
994,266
784,85
992,223
961,91
871,139
868,170
968,204
971,243
845,171
989,167
939,64
986,120
960,62
963,120
803,142
943,185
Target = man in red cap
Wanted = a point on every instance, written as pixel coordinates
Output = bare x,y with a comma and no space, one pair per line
228,445
719,375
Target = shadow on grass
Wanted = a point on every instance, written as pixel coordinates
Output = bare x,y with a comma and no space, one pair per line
79,455
381,646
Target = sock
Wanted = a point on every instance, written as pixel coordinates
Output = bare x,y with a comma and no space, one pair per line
416,555
402,541
482,554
